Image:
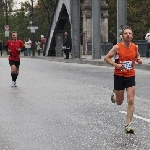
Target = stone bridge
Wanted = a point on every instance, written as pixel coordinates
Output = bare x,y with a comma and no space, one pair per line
66,17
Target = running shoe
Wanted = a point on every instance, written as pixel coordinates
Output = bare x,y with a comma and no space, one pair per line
15,85
129,129
12,85
112,97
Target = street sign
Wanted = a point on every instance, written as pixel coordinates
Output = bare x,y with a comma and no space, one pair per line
32,30
6,33
32,27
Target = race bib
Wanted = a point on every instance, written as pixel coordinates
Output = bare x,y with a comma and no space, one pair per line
127,64
63,47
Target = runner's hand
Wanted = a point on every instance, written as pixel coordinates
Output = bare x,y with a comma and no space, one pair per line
18,49
119,66
139,61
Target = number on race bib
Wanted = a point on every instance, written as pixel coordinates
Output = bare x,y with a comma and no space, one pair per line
127,64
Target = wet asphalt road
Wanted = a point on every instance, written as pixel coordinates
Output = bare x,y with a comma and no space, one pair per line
66,106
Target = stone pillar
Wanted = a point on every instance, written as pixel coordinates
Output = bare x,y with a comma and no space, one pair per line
89,29
84,36
104,21
75,25
104,28
87,11
96,36
121,16
59,42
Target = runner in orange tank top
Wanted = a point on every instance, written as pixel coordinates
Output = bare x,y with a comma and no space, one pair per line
126,54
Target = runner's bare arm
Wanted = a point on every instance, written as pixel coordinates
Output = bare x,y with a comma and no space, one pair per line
138,58
110,54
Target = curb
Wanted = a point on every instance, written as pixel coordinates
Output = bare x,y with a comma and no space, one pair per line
95,62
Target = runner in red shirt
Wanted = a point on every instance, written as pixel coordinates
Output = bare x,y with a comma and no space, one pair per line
14,48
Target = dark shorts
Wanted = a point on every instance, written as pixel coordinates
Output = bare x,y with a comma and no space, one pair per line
121,83
16,63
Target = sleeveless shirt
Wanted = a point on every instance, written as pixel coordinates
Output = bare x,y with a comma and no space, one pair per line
126,57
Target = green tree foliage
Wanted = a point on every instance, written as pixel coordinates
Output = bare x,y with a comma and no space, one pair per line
3,7
2,19
112,20
137,17
19,22
42,15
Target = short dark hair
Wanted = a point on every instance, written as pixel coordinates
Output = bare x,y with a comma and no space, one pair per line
126,27
13,32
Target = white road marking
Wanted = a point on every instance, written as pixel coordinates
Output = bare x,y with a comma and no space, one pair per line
138,117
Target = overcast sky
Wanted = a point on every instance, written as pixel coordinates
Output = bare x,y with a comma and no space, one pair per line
17,5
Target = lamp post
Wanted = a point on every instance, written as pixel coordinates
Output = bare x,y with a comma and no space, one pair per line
32,27
6,12
33,42
6,6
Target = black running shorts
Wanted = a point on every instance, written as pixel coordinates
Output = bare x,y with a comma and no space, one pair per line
16,63
121,83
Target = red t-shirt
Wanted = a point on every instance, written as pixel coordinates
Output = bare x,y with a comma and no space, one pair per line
13,46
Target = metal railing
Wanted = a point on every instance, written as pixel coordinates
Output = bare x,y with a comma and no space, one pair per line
106,46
